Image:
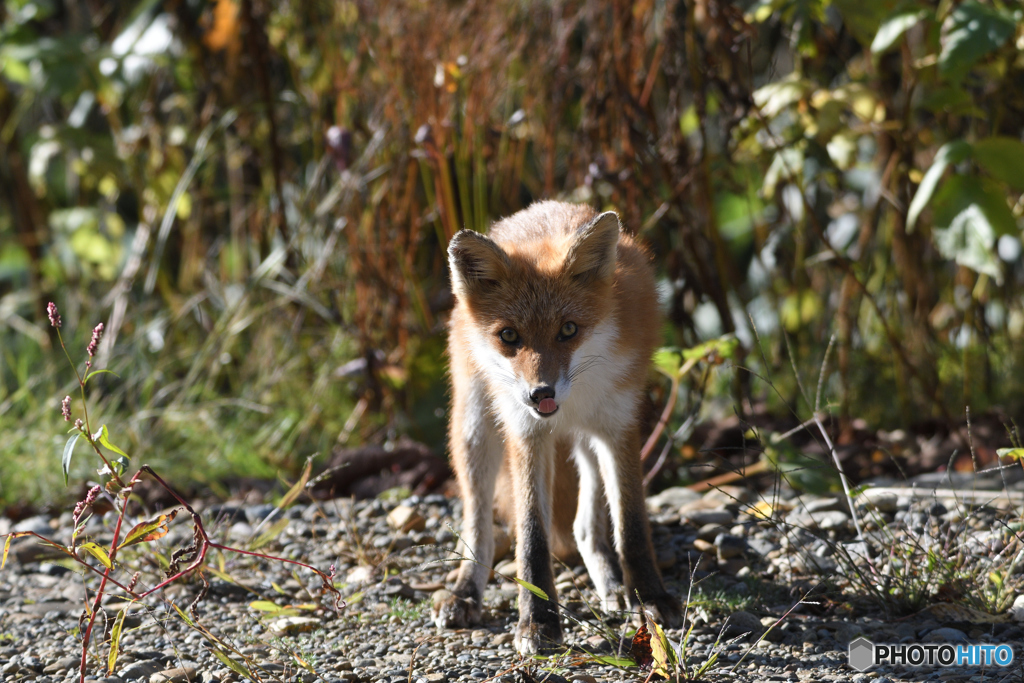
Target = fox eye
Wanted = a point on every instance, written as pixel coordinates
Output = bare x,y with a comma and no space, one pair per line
568,331
509,336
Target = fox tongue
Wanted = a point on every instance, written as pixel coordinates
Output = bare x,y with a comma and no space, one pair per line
547,405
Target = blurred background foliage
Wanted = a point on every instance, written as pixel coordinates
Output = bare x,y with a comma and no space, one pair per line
255,198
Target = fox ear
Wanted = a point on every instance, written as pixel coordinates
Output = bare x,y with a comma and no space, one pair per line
476,262
592,255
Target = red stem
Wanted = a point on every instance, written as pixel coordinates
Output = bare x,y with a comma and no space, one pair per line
106,575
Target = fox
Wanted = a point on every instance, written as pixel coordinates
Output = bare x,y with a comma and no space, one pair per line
555,320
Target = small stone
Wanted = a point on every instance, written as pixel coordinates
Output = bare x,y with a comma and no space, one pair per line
709,531
700,518
506,568
822,505
502,543
729,546
846,633
503,639
396,588
240,531
761,546
876,499
832,519
704,546
63,664
360,575
583,678
732,567
1017,611
406,519
743,622
400,543
673,497
178,674
946,635
142,669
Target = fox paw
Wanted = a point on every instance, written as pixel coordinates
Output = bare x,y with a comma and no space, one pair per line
451,611
614,600
533,637
665,610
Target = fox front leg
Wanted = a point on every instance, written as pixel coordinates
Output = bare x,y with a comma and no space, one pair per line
532,466
623,482
476,456
592,533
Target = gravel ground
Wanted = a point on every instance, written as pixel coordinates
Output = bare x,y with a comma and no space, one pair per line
390,556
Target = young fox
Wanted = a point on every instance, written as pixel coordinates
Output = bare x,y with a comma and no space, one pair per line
554,325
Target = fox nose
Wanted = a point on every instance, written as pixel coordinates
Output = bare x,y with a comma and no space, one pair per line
542,392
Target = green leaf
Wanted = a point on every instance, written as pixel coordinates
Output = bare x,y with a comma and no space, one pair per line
231,664
972,31
105,440
269,535
65,461
1003,159
612,660
265,606
15,70
723,347
667,360
533,589
188,620
99,372
150,530
968,241
775,97
893,28
115,640
950,153
97,552
298,487
787,164
1015,453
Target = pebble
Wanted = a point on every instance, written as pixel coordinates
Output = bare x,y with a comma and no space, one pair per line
702,518
729,546
674,497
743,622
829,519
406,519
178,674
946,635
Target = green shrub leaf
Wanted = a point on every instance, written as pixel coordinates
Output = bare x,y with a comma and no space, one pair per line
115,640
950,153
1003,159
65,461
973,31
893,28
105,440
231,664
97,552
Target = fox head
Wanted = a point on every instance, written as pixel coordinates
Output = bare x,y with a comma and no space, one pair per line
537,299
